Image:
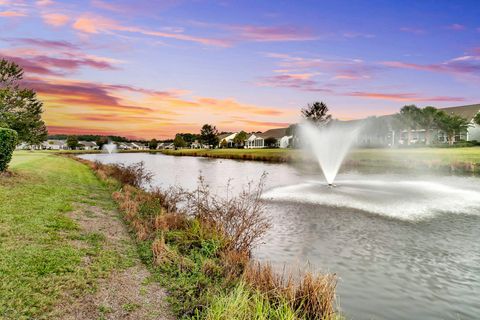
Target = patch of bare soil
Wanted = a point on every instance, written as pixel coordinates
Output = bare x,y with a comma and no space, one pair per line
126,293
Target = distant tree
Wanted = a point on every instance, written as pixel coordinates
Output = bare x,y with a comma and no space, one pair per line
223,143
20,110
477,119
101,141
178,142
270,142
72,142
452,125
407,119
153,144
428,119
208,135
316,113
240,138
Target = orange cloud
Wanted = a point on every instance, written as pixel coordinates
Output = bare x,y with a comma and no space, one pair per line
55,19
12,14
128,110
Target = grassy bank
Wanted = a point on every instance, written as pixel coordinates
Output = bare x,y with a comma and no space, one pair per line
201,252
47,260
445,159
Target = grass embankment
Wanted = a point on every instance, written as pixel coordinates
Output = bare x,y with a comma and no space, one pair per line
46,259
446,159
202,253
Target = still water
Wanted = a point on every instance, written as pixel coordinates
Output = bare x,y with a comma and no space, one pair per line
403,247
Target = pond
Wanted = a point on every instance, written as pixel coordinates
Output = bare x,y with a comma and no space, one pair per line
403,246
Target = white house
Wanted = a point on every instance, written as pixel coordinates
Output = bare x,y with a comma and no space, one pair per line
228,138
257,140
54,145
88,145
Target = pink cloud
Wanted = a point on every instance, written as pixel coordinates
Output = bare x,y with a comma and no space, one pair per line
47,44
404,97
271,34
456,27
413,30
98,24
12,14
460,65
44,3
301,82
55,19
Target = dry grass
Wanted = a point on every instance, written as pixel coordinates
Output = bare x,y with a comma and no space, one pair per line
310,297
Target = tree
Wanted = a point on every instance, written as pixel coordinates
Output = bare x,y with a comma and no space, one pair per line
8,142
270,142
408,119
452,125
20,110
208,135
72,142
178,142
477,119
153,144
223,143
317,113
428,119
101,141
240,138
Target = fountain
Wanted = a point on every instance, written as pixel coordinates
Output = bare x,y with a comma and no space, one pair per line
110,147
330,144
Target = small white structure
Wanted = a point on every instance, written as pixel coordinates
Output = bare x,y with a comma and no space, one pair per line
228,138
54,145
88,145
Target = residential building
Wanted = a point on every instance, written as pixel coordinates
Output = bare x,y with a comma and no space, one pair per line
279,135
54,145
87,145
227,138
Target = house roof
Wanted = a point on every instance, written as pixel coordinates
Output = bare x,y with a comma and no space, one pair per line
55,142
273,133
468,112
88,143
226,135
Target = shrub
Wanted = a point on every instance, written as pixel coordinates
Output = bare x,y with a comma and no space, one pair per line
8,142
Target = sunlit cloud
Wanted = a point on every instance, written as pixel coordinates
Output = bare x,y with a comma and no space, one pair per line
403,97
461,65
273,33
12,14
55,19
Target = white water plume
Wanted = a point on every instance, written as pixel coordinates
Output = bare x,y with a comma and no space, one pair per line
330,144
110,147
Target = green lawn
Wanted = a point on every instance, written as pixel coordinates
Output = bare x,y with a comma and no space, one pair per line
45,258
373,156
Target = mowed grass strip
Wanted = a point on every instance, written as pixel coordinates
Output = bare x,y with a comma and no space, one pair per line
365,155
41,261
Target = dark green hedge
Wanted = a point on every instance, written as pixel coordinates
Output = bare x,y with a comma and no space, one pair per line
8,142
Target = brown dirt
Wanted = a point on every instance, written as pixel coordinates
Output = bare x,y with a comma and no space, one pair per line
126,293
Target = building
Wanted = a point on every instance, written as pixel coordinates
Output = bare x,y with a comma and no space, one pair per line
54,145
278,137
383,131
227,139
87,145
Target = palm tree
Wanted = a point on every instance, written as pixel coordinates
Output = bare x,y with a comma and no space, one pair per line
452,125
408,119
428,119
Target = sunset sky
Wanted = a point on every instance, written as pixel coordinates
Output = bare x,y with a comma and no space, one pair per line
153,68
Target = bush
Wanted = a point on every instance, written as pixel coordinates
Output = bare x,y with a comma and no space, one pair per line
8,142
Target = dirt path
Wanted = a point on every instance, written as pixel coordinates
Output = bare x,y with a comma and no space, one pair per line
127,292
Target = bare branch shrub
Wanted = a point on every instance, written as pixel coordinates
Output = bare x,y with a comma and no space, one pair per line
241,218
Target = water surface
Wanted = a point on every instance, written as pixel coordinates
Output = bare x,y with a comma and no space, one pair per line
403,246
